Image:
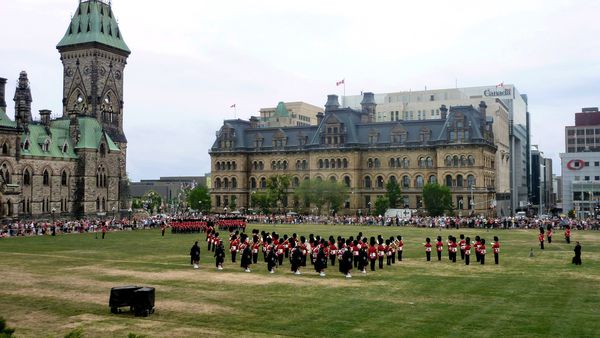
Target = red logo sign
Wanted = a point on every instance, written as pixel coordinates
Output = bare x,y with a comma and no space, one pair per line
575,164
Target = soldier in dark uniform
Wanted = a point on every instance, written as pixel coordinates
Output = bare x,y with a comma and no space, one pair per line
219,256
577,250
295,258
347,261
246,258
321,260
271,257
195,255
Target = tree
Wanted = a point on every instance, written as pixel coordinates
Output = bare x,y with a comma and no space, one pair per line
262,200
437,198
277,188
382,203
5,331
393,193
326,195
199,198
152,201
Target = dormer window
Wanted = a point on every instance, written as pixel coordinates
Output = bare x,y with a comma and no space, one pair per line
65,147
26,145
46,145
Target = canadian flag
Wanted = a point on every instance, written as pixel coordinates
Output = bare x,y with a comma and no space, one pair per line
340,82
232,106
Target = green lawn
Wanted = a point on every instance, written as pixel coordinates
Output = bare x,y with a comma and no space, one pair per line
52,285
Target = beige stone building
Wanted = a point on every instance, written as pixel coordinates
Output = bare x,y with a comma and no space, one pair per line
73,165
349,146
289,114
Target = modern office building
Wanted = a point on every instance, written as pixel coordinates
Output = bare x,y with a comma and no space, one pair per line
509,110
289,114
580,164
542,200
168,188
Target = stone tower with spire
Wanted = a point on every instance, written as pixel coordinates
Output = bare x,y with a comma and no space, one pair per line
94,55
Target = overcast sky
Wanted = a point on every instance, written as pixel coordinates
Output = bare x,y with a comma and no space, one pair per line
191,60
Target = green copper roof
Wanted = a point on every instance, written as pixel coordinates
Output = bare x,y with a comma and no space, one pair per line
91,134
59,145
5,121
281,111
94,21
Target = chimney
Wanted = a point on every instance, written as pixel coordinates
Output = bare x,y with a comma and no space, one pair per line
332,103
45,116
482,108
254,122
2,92
319,118
368,105
443,112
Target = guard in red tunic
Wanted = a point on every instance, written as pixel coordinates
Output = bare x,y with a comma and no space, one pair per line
482,252
381,252
332,250
541,238
568,234
372,253
280,253
234,247
467,250
427,246
440,247
549,233
461,244
255,247
496,248
400,245
389,252
453,249
477,245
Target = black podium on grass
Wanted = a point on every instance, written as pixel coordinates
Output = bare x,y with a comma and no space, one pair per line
139,299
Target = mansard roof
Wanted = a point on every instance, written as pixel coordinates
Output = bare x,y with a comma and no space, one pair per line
356,132
94,22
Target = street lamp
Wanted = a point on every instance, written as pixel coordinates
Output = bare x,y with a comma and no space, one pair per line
225,209
369,207
52,212
113,211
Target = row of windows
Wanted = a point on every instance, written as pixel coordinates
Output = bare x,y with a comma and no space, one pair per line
6,176
227,183
333,163
229,165
580,132
462,161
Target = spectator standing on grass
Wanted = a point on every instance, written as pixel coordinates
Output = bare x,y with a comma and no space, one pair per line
195,255
577,250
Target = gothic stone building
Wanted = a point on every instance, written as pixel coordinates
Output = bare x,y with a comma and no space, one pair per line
348,146
73,164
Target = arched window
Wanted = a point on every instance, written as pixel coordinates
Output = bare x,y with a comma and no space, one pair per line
392,163
448,180
432,179
377,163
98,203
429,162
332,163
5,173
102,150
5,149
298,165
405,181
218,183
405,163
448,160
63,178
295,182
233,165
226,183
370,163
320,164
263,183
253,183
471,160
367,182
339,163
459,180
380,182
261,165
455,160
273,165
422,162
393,179
470,181
45,178
304,164
332,179
326,164
234,183
463,161
347,181
345,163
26,177
419,181
218,166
